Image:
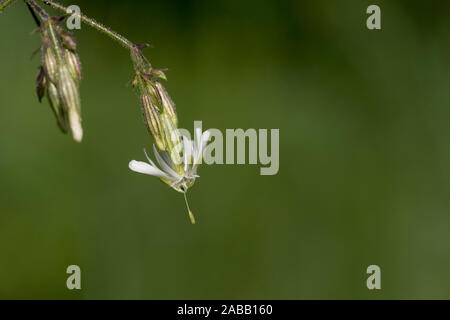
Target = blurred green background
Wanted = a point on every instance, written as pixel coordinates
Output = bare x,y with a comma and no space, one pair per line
364,155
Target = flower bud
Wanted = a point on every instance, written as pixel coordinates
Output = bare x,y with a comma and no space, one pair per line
151,117
167,103
55,104
158,109
74,65
41,84
60,77
75,125
50,64
158,74
68,41
153,93
70,100
172,138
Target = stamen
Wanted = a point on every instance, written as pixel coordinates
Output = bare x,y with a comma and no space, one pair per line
191,215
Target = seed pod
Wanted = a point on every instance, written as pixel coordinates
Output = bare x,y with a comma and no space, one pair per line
152,120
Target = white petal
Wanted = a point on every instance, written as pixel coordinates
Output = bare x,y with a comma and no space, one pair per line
149,160
205,139
199,148
206,135
187,153
166,159
197,158
164,165
75,125
145,168
198,138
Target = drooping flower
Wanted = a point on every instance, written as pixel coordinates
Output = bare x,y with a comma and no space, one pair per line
177,156
179,176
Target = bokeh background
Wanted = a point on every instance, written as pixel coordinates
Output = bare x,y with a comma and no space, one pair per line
364,155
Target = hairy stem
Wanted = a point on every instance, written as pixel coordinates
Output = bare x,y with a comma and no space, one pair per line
91,22
5,3
33,13
36,10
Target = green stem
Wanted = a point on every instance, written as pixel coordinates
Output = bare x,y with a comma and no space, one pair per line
5,3
91,22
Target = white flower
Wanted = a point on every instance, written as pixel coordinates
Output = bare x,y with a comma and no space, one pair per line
182,176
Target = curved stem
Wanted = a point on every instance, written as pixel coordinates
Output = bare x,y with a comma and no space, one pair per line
5,3
91,22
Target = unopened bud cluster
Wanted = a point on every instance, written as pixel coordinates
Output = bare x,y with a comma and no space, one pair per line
59,77
158,108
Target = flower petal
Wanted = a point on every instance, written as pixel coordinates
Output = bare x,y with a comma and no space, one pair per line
187,153
198,138
201,145
149,160
205,139
145,168
164,165
199,148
